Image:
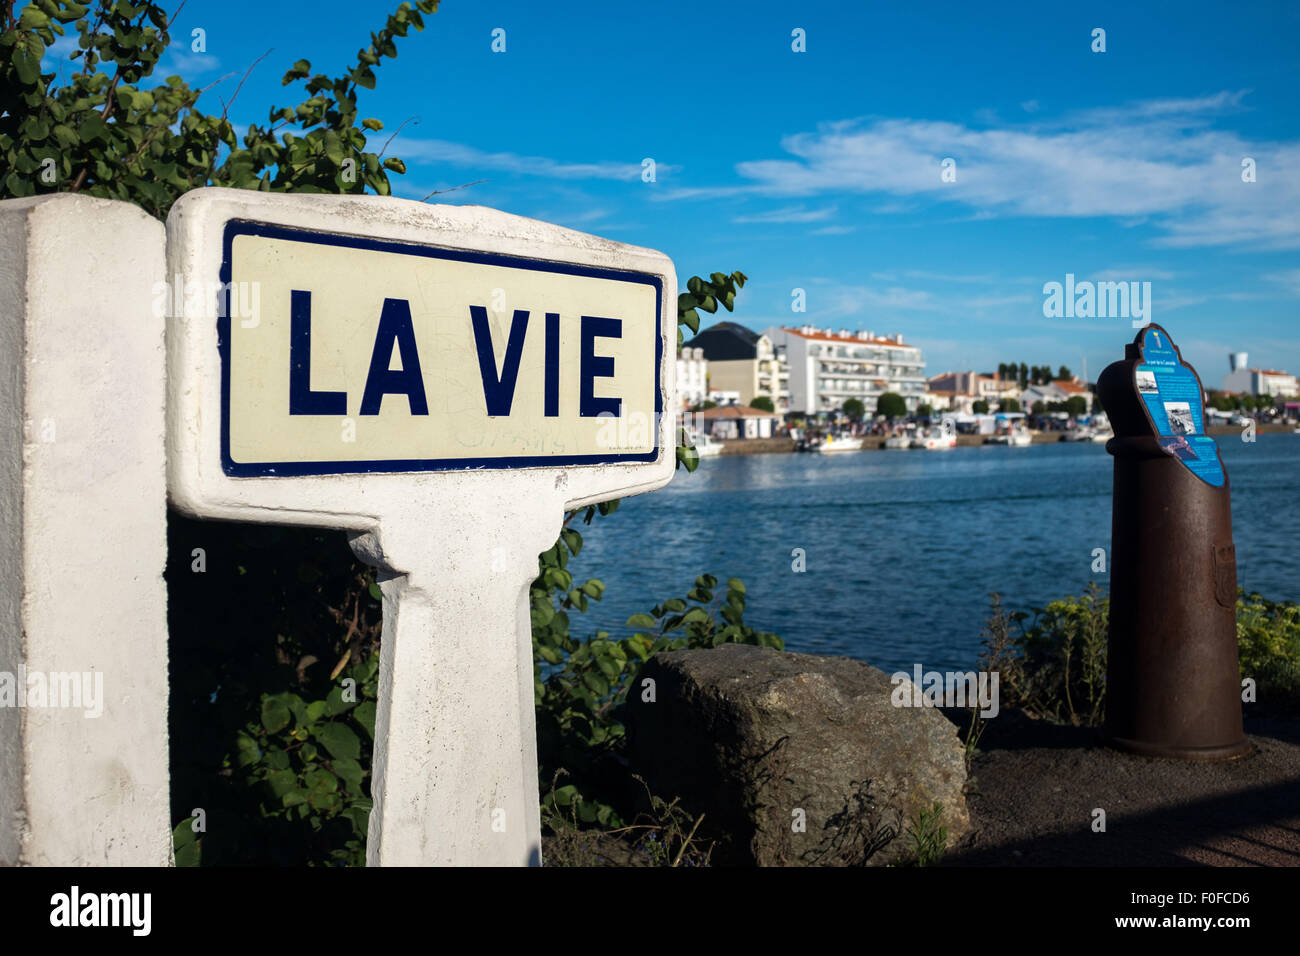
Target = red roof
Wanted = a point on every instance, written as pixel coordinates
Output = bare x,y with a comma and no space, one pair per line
1072,387
735,411
851,337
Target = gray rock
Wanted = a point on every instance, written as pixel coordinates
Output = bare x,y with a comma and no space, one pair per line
749,735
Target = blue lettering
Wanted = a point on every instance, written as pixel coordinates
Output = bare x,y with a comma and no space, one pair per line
592,366
394,326
302,400
498,392
552,364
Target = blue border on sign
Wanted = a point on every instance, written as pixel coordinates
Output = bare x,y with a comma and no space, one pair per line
241,227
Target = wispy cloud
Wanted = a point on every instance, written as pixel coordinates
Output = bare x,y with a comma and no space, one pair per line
1289,279
789,214
1132,274
1161,162
457,154
182,63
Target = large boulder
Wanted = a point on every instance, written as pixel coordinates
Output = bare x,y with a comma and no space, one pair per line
760,741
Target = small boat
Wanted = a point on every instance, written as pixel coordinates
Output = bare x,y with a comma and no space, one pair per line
1078,433
935,439
706,446
839,443
1018,437
905,441
1102,434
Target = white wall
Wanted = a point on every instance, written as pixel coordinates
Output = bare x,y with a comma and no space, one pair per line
83,531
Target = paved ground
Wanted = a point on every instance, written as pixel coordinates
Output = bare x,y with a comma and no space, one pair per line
1035,788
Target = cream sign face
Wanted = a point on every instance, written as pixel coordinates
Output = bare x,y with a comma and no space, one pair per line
371,355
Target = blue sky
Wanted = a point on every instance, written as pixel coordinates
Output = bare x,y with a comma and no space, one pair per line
820,170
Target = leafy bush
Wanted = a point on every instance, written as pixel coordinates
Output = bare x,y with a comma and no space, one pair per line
1061,672
268,737
1054,667
1268,642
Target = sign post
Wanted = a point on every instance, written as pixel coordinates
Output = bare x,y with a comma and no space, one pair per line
1172,684
443,383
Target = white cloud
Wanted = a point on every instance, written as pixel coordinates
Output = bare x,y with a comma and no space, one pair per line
1160,162
179,62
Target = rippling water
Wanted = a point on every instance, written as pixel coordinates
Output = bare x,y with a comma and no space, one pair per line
903,548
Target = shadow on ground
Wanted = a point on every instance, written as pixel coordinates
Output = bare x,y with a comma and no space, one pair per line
1035,788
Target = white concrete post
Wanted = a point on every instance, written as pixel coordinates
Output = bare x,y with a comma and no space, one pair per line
456,685
83,629
545,382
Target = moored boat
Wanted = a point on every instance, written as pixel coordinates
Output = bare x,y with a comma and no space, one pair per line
935,439
839,443
706,446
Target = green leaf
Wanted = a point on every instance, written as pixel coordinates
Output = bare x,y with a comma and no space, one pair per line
320,780
736,584
334,702
642,620
275,715
596,682
349,771
281,781
184,833
375,593
340,740
365,716
188,855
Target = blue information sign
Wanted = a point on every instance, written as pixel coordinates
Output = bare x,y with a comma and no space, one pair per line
1172,396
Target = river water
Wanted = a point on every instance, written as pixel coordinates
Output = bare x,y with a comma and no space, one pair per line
903,547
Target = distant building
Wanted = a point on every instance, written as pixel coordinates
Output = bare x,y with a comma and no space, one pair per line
1260,381
828,368
732,422
745,362
950,400
692,376
980,387
939,400
1060,390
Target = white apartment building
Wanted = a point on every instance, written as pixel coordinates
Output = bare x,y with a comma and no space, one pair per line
827,368
692,376
1260,381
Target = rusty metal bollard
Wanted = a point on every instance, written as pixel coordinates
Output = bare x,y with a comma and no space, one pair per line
1172,685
